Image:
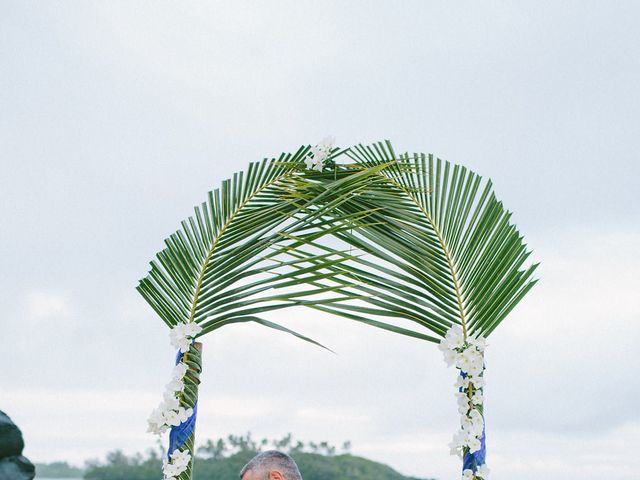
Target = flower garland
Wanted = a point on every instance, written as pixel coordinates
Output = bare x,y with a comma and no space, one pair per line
467,354
318,156
178,464
170,413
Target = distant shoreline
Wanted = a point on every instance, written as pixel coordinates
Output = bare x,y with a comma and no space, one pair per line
57,478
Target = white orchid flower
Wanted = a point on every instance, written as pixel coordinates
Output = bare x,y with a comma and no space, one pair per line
478,381
483,471
179,371
477,397
467,474
317,156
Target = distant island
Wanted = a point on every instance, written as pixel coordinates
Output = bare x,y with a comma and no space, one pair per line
222,459
57,470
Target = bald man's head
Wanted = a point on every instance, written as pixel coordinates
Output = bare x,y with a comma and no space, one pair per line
271,465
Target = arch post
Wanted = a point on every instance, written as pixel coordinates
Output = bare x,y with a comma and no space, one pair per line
181,451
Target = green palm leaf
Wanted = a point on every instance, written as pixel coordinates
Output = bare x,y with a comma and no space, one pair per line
439,247
221,267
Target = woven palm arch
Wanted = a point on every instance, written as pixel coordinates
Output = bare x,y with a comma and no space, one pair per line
425,241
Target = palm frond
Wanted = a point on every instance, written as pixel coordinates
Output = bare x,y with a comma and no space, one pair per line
219,268
439,247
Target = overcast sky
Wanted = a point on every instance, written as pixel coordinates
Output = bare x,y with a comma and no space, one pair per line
117,117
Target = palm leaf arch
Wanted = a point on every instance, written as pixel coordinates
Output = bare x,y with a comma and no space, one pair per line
425,241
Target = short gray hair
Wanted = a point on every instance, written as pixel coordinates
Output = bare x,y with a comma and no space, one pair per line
272,460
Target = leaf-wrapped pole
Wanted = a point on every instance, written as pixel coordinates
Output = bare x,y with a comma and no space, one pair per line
182,437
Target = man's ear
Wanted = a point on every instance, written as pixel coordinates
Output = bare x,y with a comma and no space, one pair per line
275,475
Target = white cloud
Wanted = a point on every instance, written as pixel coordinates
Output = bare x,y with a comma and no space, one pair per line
48,305
530,455
570,343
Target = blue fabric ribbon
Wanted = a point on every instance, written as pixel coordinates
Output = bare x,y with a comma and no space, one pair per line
472,461
180,434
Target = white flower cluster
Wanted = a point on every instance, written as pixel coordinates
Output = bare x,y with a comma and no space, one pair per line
182,335
179,463
318,155
467,354
482,472
169,413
